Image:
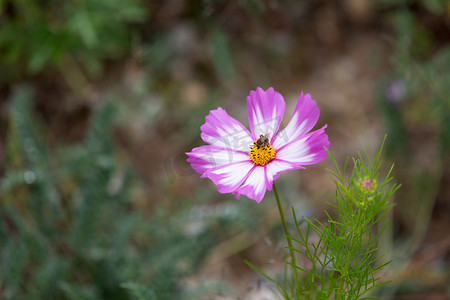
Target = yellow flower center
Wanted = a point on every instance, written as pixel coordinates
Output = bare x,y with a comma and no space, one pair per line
261,155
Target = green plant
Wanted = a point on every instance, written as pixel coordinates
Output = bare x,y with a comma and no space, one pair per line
69,228
68,35
339,257
414,102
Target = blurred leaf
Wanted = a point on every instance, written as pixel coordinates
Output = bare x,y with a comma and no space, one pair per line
39,34
81,24
14,259
219,51
95,240
158,55
74,292
436,6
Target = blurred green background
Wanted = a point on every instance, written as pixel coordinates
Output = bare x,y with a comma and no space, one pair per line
100,99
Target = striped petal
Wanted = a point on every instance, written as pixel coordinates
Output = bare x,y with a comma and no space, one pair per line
275,168
229,177
265,111
221,130
306,150
254,186
208,157
305,117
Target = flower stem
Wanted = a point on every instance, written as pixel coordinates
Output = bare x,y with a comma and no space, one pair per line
286,230
356,231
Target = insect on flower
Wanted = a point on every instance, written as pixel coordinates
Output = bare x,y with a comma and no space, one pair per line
261,142
246,162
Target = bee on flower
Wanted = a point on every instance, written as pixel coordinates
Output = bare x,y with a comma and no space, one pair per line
250,167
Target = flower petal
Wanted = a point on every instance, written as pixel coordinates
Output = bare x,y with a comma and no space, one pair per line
224,131
207,157
305,117
229,177
275,168
306,150
254,186
265,111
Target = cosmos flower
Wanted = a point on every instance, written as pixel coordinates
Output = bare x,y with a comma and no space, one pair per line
247,163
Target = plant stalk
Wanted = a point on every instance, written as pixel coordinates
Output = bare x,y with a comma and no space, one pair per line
286,230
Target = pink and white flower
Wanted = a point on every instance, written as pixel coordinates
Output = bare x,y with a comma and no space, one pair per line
247,163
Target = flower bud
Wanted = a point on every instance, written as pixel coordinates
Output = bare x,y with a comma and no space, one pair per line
367,185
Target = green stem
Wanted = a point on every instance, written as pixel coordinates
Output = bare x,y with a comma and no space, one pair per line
344,272
286,230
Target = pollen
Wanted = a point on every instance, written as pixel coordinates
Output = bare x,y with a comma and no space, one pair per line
261,155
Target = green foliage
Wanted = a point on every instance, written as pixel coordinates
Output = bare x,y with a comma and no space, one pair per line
68,228
420,63
35,34
339,257
220,53
436,6
414,101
